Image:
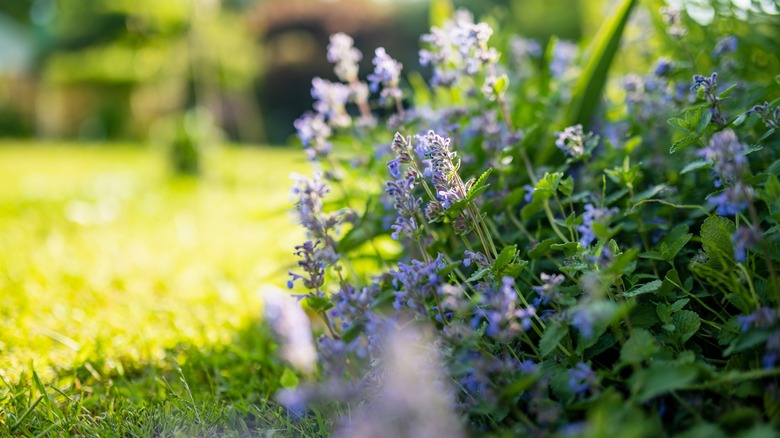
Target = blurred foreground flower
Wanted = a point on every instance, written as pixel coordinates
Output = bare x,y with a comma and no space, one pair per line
291,326
412,399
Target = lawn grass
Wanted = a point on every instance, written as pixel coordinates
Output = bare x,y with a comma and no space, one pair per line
131,298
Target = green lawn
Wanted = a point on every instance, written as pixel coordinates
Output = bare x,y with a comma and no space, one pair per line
131,299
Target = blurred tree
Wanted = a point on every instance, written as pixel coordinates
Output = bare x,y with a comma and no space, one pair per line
111,68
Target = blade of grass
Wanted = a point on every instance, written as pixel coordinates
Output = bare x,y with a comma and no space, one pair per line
590,84
26,413
598,58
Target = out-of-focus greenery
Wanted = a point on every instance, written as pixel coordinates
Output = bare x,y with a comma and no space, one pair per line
103,257
113,275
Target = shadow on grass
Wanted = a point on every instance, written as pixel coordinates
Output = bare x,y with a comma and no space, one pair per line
224,390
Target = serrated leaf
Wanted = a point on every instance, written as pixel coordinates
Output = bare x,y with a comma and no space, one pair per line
670,252
679,124
644,289
679,304
551,337
514,269
505,256
639,347
683,143
716,234
478,275
686,324
569,249
479,186
542,248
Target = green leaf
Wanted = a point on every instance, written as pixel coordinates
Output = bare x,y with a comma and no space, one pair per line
679,304
746,340
445,271
683,143
552,335
695,165
479,186
662,378
704,120
569,249
601,51
478,275
716,234
352,333
566,186
542,248
504,257
679,124
318,304
644,289
686,324
288,379
639,347
514,269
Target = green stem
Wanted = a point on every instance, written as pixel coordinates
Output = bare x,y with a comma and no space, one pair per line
551,219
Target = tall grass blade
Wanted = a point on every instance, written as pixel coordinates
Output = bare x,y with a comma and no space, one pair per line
598,59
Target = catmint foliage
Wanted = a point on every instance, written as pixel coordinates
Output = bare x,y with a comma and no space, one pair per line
577,293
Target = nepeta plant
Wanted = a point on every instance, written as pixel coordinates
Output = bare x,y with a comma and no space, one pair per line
568,271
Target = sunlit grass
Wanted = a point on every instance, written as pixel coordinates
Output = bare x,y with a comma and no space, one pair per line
112,270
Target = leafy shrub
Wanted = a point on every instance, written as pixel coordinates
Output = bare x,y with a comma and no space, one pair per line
583,266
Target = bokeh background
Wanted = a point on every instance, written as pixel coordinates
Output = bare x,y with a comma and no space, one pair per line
123,70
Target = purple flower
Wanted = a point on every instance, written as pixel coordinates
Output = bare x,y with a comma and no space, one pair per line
727,156
346,57
733,200
290,323
458,48
416,283
549,290
406,205
727,44
589,217
314,133
442,169
709,85
770,116
582,378
763,317
564,53
572,141
744,238
673,19
663,67
330,100
479,259
387,72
